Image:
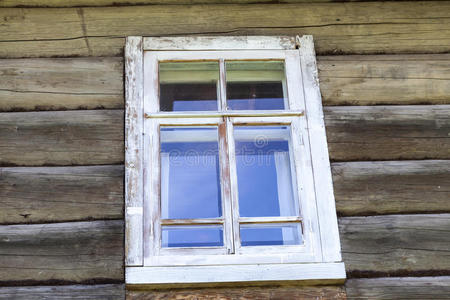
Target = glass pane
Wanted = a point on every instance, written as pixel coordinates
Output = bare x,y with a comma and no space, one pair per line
188,86
256,85
264,171
192,236
190,173
270,234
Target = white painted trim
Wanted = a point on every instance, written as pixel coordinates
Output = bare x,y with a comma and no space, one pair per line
220,43
234,273
326,209
134,90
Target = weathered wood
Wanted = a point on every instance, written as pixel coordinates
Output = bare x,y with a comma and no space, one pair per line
57,292
385,79
255,293
399,288
352,27
392,187
56,194
388,132
59,84
62,138
62,252
89,83
398,245
96,137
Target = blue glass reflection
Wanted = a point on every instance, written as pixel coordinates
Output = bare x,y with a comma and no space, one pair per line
192,236
270,235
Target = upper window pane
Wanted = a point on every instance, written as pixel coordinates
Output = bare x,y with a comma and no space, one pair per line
190,173
264,174
256,85
188,86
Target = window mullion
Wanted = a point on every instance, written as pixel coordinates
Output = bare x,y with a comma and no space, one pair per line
222,86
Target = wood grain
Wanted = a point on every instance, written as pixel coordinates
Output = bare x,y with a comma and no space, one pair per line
391,187
62,252
395,244
255,293
57,292
57,194
384,79
97,137
62,138
399,288
365,133
90,83
351,27
60,84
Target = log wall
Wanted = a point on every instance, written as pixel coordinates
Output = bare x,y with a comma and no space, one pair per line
384,70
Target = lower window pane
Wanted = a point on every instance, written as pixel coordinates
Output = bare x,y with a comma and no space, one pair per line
270,234
192,236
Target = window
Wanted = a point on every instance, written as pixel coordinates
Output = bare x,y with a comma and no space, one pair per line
227,170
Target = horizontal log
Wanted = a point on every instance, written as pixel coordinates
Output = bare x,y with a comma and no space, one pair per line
97,137
56,292
62,138
399,288
250,293
351,27
56,194
384,79
90,83
62,252
391,187
59,84
368,133
399,245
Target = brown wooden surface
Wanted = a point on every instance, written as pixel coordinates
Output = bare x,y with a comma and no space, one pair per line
391,187
59,84
365,133
351,27
250,293
399,245
58,194
384,79
399,288
62,252
90,83
96,137
62,138
55,194
57,292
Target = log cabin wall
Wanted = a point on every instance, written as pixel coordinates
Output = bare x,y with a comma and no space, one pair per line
384,71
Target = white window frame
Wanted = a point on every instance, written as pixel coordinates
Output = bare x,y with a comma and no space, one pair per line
319,258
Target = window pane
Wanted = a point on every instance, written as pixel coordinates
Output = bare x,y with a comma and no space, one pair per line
190,173
264,171
256,85
188,86
270,234
192,236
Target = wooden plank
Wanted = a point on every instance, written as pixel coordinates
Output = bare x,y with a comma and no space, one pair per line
59,84
90,83
62,252
367,133
56,292
352,27
62,138
385,79
250,293
397,245
392,187
399,288
96,137
57,194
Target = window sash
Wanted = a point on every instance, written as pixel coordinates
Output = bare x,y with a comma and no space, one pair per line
308,251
